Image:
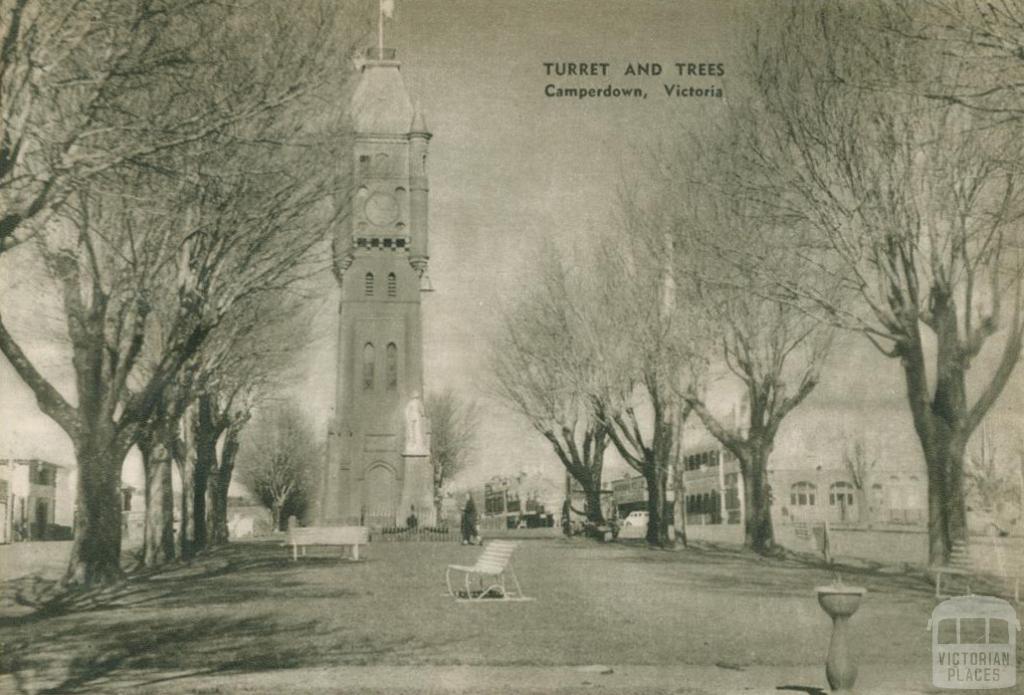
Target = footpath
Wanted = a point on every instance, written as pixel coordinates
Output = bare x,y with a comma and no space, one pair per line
531,680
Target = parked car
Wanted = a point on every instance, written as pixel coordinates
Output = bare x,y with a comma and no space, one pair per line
634,525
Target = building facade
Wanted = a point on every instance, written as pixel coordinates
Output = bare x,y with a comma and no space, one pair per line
378,470
28,488
712,493
889,497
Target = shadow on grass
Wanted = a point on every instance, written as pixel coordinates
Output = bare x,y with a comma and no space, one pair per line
188,620
211,578
737,570
86,656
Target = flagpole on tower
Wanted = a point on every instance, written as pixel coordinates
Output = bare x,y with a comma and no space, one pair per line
380,30
386,8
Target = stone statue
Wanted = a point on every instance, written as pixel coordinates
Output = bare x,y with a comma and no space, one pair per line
415,426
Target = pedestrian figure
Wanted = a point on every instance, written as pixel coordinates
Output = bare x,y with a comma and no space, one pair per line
469,533
411,521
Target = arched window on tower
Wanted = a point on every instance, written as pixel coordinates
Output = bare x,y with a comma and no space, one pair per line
368,359
392,285
369,285
392,366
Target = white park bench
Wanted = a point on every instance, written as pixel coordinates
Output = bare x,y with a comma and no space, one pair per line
345,536
489,572
974,561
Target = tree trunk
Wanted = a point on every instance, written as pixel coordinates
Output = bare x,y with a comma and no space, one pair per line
947,498
593,506
679,506
185,528
656,468
940,420
584,465
438,506
863,512
657,520
221,482
759,532
158,542
205,442
275,510
96,551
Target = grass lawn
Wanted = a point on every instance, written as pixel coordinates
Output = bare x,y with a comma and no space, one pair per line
249,608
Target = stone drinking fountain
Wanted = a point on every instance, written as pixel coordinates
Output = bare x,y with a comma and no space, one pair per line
840,601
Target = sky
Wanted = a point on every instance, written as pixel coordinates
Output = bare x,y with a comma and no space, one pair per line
511,168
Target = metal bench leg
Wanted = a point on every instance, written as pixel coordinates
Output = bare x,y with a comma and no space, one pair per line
519,589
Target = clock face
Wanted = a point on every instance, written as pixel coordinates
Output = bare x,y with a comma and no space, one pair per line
381,209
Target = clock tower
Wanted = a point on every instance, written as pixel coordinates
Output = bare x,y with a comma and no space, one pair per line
378,469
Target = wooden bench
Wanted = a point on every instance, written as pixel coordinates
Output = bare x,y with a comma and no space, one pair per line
493,565
345,536
973,561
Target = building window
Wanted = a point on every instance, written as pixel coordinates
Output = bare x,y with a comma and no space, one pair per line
368,360
802,494
369,285
841,494
364,164
41,474
392,366
392,285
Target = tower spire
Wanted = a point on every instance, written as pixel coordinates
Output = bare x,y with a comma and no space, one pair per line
387,9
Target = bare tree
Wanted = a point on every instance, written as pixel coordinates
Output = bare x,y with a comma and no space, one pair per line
67,72
986,42
453,429
637,335
276,459
775,349
209,222
73,76
860,464
913,205
990,482
198,423
236,415
250,358
539,365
